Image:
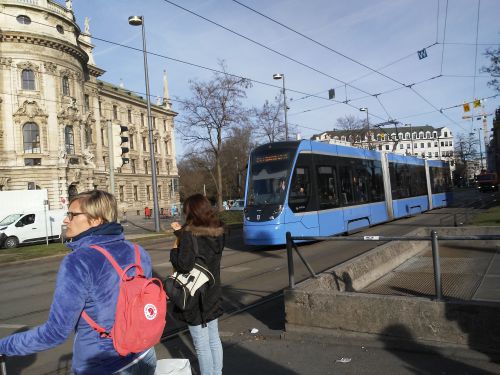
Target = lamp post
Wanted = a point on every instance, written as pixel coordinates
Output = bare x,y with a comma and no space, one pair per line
480,148
238,183
139,21
278,76
365,109
411,139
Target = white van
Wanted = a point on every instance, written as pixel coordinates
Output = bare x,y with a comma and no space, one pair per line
31,227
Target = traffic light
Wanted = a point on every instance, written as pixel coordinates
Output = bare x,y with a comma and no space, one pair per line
119,150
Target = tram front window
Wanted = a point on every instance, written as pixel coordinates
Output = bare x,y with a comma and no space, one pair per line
268,179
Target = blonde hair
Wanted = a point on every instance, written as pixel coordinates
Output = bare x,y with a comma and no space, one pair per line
98,204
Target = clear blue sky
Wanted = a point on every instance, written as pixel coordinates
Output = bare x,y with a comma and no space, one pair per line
374,33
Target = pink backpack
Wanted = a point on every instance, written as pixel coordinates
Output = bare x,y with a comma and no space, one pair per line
141,309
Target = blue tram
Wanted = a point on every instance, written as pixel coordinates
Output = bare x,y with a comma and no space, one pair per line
312,188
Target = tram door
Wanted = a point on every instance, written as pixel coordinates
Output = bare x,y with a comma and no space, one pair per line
330,215
301,216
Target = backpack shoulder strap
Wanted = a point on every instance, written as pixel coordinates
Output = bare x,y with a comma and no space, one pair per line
137,255
108,256
91,322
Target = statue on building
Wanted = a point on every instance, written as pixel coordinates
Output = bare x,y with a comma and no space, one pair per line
87,25
62,154
87,157
69,5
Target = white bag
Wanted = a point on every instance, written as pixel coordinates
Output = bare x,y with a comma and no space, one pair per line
173,366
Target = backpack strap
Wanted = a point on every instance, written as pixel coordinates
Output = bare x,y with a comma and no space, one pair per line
91,322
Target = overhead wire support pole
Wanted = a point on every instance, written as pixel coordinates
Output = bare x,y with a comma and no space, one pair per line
139,21
111,156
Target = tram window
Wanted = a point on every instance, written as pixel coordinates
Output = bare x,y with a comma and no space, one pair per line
327,187
300,190
400,180
346,190
418,180
376,181
440,179
407,180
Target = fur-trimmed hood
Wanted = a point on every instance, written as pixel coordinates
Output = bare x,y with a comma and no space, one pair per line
204,231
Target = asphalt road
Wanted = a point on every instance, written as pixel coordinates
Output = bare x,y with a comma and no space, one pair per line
248,275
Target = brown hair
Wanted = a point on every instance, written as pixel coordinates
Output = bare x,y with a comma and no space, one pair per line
199,212
98,204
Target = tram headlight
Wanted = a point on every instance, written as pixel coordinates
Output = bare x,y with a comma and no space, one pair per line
276,212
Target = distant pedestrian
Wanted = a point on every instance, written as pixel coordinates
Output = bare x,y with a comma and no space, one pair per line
203,226
86,281
147,212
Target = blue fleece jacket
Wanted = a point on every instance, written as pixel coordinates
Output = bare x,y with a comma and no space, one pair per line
85,281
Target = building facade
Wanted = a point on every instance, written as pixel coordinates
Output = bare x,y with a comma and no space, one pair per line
423,141
55,113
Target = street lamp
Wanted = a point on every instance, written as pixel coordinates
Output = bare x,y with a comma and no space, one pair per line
480,148
365,109
139,21
411,138
282,76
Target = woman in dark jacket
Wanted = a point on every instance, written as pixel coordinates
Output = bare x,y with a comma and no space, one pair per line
203,226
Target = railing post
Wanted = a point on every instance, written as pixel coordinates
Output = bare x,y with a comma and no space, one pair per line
3,369
437,265
291,281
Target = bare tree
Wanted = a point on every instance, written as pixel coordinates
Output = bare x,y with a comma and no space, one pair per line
234,158
349,123
465,147
494,68
196,176
269,122
213,110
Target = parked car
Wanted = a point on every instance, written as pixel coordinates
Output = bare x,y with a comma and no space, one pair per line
238,205
31,227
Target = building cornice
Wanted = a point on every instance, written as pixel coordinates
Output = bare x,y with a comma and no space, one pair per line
45,41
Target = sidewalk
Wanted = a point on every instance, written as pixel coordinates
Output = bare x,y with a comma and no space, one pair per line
271,351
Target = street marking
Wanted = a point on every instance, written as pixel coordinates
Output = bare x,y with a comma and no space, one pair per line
13,326
161,264
236,269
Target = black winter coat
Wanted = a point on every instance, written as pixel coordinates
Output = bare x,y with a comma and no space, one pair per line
210,246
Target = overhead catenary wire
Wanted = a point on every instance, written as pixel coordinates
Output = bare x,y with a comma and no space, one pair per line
475,60
444,36
264,46
343,55
263,83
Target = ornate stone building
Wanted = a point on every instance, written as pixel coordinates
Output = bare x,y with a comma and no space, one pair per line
55,113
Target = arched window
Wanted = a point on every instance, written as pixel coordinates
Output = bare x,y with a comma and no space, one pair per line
407,135
428,135
69,140
28,79
31,138
65,85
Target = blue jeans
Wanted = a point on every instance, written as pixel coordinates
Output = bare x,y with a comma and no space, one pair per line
208,347
146,366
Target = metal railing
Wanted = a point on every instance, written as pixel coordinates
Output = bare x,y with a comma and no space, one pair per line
433,238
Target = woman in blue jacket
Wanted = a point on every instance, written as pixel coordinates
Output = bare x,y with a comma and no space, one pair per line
86,281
